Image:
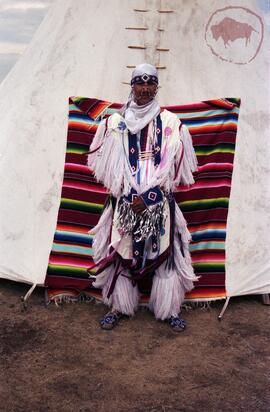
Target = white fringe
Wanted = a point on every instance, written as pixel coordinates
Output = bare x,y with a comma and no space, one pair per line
183,263
108,162
165,174
104,277
170,285
167,294
125,297
111,168
190,163
102,233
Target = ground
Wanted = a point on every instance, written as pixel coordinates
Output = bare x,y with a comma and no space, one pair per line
57,358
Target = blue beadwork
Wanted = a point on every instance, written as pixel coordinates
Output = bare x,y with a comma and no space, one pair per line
122,125
176,322
110,318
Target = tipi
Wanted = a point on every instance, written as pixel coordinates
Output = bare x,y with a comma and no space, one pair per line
201,49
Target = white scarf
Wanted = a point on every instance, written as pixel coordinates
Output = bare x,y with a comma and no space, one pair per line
137,117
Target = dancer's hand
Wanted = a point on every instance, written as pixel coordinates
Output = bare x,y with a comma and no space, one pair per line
138,205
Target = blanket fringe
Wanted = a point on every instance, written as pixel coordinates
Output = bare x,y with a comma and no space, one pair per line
205,305
83,297
61,299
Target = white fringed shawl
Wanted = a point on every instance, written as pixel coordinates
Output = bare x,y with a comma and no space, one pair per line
110,162
178,159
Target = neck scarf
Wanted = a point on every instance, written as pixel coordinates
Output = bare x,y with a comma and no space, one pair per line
137,117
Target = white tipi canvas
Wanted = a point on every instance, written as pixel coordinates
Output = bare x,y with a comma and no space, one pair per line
203,50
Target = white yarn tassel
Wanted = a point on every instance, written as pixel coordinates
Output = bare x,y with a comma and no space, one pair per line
104,278
97,142
165,172
178,164
101,234
183,263
125,296
170,285
167,294
108,162
189,163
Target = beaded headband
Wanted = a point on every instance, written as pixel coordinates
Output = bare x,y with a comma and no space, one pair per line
144,78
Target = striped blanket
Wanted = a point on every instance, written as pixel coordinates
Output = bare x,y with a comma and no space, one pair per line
213,126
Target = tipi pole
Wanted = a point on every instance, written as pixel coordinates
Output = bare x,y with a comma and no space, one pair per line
224,308
28,294
266,299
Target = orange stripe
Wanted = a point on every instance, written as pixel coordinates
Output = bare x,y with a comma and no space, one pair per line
69,228
81,126
212,226
207,293
213,128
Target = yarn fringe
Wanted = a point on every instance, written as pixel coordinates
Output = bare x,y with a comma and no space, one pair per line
101,234
190,163
82,297
108,162
203,305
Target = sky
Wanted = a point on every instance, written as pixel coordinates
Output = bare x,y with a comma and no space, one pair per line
19,20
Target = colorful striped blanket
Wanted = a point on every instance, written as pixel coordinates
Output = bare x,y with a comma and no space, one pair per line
213,126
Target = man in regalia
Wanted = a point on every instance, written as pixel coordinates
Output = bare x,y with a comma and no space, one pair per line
141,154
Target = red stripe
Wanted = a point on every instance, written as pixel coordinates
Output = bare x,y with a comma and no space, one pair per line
83,195
57,282
72,228
199,216
215,158
221,166
77,217
84,185
79,168
211,280
204,193
64,260
205,139
82,137
208,184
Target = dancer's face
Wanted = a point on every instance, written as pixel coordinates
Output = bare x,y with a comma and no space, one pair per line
144,92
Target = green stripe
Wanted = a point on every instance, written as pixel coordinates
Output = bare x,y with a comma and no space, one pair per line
201,151
234,100
191,205
80,205
78,99
209,267
77,148
67,271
